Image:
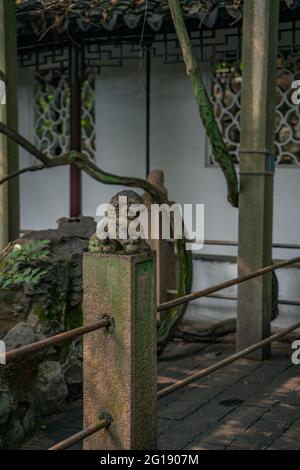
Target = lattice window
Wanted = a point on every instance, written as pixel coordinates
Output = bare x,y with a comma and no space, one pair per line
226,86
52,114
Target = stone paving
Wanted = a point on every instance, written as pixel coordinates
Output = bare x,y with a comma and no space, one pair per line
247,405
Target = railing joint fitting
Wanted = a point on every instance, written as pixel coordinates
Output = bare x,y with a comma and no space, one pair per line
107,416
112,324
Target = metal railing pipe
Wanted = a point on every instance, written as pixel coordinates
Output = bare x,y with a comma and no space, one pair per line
53,340
80,436
225,362
224,285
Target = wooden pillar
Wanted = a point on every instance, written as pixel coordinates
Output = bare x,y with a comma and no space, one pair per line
75,64
3,143
9,193
166,259
12,117
120,375
260,33
148,108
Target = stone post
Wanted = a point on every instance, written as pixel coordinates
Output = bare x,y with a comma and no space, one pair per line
120,376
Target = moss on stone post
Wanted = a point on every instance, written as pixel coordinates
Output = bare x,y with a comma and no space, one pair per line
120,366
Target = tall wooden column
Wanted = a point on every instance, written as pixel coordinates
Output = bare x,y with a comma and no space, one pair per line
3,147
9,193
75,126
148,108
12,117
260,33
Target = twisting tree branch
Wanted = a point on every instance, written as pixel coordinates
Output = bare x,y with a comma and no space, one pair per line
167,326
82,162
219,147
21,172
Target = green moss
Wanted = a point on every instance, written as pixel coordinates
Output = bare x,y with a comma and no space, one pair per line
73,317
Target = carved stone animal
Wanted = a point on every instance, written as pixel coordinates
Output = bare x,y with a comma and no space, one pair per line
121,223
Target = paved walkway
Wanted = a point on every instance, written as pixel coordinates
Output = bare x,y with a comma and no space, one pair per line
247,405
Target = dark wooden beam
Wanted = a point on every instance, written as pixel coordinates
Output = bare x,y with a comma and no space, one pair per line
75,126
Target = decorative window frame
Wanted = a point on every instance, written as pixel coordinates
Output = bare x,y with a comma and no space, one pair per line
224,89
52,114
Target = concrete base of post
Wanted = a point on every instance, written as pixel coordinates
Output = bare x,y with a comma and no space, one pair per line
120,376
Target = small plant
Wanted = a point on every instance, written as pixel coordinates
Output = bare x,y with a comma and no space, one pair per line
15,270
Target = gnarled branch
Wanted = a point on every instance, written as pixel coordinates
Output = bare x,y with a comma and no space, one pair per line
168,325
83,163
21,172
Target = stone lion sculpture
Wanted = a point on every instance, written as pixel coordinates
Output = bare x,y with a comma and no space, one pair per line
121,222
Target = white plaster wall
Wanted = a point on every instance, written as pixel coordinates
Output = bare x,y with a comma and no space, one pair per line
120,132
207,273
178,147
44,195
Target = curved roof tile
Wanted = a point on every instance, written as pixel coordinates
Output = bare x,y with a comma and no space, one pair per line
38,17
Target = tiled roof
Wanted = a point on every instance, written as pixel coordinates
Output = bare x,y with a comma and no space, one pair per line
39,17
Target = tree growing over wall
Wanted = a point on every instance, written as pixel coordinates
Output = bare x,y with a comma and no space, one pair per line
219,147
168,325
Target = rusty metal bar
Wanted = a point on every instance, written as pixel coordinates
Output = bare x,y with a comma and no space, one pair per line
229,243
232,297
66,336
295,303
225,362
287,246
224,285
284,246
78,437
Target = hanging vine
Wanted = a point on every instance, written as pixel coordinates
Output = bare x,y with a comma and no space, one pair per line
219,147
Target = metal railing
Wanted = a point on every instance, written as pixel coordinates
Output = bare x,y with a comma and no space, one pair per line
104,422
225,362
285,246
106,322
224,285
294,303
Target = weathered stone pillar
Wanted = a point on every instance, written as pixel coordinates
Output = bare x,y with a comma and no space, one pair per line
260,33
120,366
